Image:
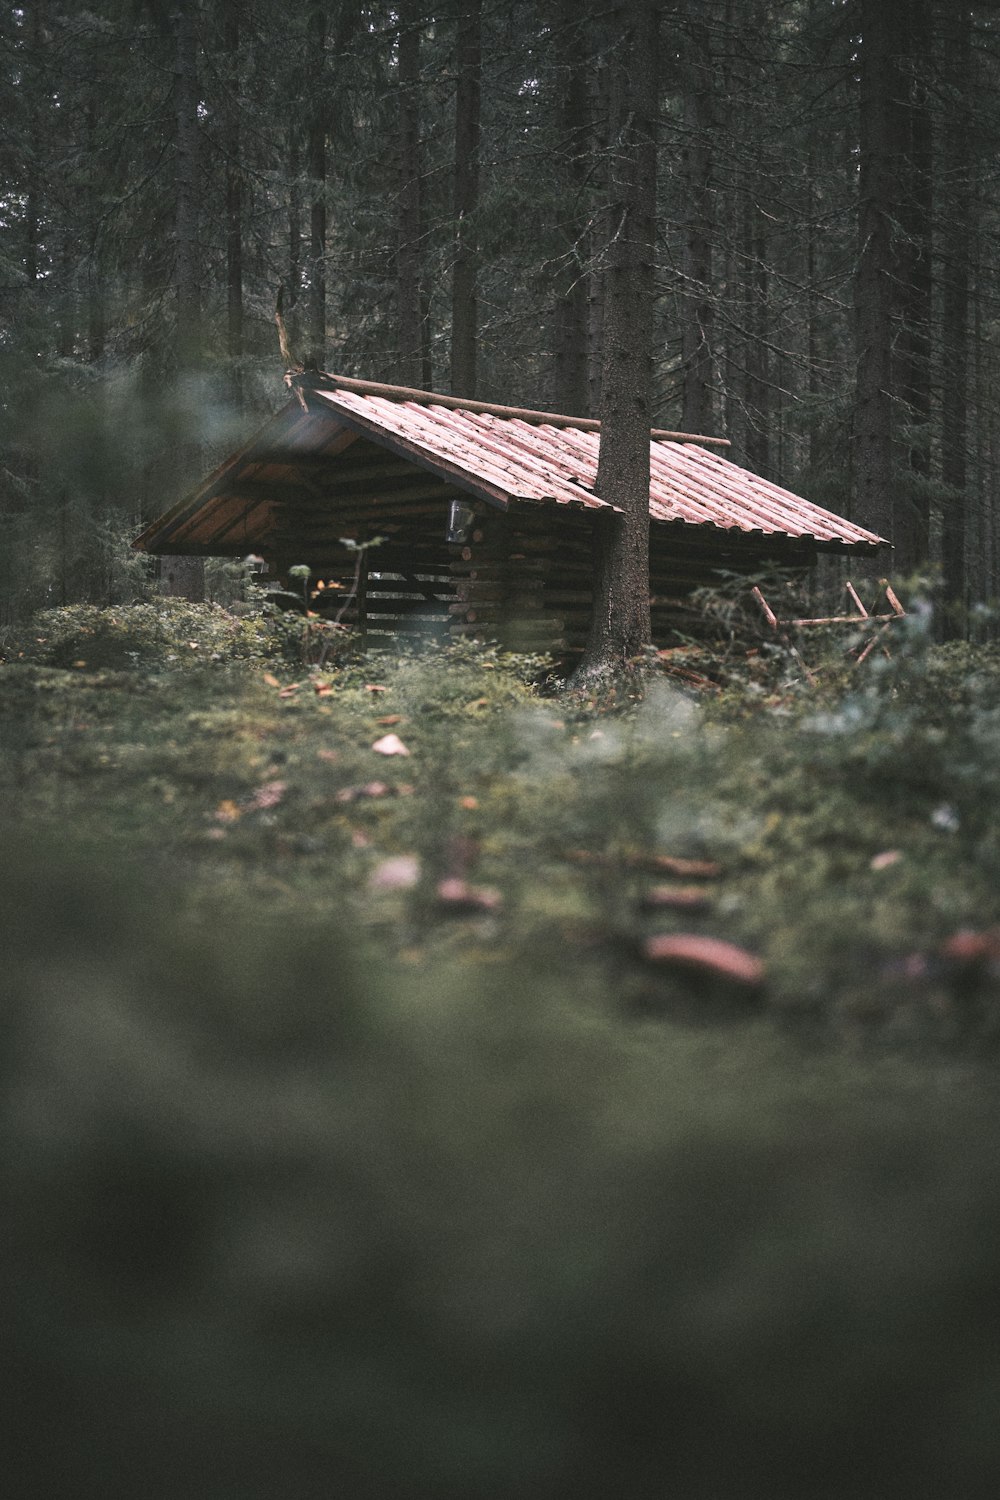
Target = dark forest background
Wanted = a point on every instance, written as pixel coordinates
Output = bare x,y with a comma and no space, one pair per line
427,184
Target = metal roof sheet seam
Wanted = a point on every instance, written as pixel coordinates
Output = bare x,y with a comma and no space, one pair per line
536,461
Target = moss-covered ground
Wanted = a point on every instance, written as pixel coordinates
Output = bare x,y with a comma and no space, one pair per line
358,1143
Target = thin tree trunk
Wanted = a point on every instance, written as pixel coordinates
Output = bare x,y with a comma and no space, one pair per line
464,309
600,126
913,279
955,310
873,297
620,626
409,292
187,256
234,206
696,329
315,72
757,324
294,230
569,368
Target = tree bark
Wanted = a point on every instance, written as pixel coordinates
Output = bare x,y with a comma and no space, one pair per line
620,626
696,330
294,229
464,309
315,74
913,278
955,310
873,287
569,355
234,204
187,254
409,292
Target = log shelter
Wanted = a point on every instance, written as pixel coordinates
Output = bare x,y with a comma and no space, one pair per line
485,515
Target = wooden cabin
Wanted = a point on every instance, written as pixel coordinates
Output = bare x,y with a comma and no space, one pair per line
486,515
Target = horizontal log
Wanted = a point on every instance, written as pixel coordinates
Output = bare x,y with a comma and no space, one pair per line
326,380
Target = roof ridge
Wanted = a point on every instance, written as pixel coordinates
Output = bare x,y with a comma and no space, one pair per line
305,381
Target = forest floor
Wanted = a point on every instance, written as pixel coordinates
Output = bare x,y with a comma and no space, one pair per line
447,811
541,955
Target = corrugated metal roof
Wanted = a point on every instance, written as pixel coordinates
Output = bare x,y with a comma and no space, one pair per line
536,461
498,454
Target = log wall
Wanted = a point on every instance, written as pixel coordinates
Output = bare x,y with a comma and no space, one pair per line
522,578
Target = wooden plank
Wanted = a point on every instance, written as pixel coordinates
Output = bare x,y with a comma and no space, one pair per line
313,384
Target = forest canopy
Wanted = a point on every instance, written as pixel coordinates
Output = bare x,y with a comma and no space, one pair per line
428,186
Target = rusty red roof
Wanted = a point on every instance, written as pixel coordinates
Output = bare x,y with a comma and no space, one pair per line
502,454
538,461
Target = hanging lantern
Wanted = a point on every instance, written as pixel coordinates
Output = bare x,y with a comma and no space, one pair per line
460,518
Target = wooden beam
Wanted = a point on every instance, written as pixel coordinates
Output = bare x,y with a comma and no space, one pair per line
321,381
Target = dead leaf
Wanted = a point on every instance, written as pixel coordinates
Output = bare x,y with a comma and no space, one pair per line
322,689
270,679
400,873
458,896
330,756
677,897
708,955
290,690
268,795
390,744
670,864
375,687
970,947
370,789
227,812
469,803
886,859
390,719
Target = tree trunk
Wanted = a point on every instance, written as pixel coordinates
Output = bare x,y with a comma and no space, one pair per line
620,627
955,310
914,281
294,226
569,365
409,292
187,257
234,205
464,311
873,287
696,329
315,73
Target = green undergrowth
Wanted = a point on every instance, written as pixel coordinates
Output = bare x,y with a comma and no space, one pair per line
843,832
313,1170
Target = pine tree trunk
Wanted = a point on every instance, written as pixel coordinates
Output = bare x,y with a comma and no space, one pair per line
955,310
234,205
464,309
187,255
873,287
185,575
315,72
569,366
294,231
914,178
620,627
409,292
696,330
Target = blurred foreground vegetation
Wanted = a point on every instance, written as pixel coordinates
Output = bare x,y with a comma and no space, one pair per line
354,1144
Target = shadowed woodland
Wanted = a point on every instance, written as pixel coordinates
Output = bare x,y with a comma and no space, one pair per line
418,1079
429,189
